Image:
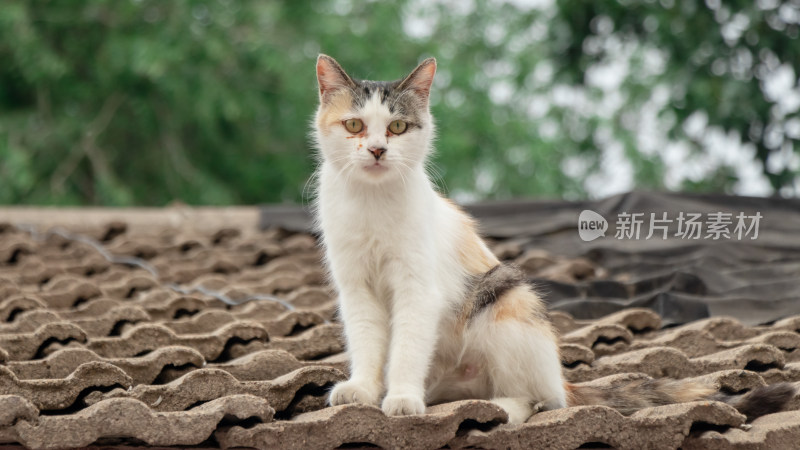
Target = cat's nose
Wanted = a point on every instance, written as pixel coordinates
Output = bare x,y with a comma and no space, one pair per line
377,152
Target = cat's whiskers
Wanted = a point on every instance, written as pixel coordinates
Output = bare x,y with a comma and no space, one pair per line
350,172
435,176
344,168
311,186
407,163
400,165
339,158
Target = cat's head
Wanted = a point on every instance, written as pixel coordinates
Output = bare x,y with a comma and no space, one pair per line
373,131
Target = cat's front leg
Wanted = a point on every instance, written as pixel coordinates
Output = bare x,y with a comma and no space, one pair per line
366,327
416,309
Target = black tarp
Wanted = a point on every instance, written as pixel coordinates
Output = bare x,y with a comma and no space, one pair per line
683,279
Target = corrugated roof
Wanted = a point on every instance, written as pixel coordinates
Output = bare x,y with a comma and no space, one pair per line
178,326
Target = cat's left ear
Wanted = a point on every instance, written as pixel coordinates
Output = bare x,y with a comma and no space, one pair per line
421,79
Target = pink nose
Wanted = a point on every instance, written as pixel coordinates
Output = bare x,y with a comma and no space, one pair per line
377,152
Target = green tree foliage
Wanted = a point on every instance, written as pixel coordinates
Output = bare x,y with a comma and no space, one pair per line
714,61
209,102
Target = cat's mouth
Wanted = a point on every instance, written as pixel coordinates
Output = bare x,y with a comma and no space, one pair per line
375,167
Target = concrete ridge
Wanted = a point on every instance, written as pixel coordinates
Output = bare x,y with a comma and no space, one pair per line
62,393
142,370
202,385
127,417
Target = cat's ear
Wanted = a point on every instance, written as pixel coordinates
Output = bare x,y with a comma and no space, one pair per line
421,78
331,77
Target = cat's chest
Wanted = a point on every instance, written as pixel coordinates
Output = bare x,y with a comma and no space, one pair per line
371,229
372,232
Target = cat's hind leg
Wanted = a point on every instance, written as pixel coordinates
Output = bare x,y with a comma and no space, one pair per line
521,354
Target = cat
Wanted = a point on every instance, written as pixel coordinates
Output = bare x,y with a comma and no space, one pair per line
430,314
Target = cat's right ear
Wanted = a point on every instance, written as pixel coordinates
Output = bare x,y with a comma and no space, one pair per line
331,77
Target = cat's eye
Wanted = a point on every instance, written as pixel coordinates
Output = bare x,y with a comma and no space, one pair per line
354,125
398,127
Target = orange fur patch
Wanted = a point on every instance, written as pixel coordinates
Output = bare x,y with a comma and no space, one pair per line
331,112
577,396
473,254
524,305
515,304
688,392
573,397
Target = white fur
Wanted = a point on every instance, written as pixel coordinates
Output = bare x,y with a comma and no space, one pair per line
390,243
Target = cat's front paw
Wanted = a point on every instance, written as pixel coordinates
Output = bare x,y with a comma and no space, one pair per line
354,392
403,405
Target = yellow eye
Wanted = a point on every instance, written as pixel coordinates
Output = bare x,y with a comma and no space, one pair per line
354,125
398,127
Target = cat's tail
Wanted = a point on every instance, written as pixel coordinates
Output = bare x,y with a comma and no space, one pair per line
630,396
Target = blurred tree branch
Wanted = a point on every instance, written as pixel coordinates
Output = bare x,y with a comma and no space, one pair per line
88,147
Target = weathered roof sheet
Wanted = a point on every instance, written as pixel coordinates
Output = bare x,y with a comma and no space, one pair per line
181,327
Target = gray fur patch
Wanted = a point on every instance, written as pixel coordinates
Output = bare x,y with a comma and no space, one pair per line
760,401
405,103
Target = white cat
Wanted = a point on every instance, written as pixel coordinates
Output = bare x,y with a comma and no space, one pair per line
430,314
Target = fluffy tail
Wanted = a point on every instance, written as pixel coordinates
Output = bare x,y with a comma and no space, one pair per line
630,396
760,401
